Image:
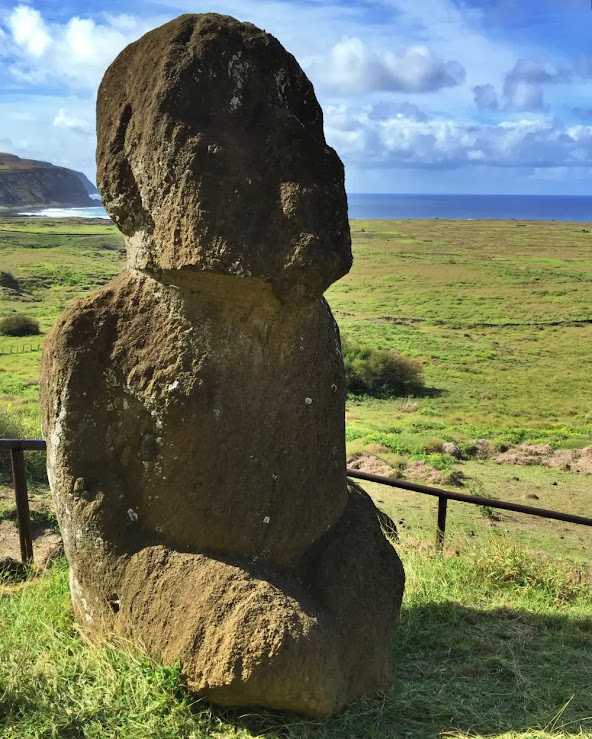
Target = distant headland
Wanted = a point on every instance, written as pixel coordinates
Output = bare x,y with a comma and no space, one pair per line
30,183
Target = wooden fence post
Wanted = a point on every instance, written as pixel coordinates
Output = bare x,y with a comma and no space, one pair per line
22,504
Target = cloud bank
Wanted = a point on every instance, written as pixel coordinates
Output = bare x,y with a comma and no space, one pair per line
351,68
404,85
402,141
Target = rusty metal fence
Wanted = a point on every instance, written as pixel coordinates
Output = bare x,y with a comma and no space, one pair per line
17,448
445,495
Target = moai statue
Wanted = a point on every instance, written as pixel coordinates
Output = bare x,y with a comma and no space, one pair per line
194,407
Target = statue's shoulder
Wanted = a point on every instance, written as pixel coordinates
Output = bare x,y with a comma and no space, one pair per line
90,318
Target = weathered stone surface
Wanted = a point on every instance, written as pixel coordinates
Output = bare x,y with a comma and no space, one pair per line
216,158
303,640
194,407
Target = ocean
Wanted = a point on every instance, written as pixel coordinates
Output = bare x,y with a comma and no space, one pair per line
472,207
90,212
459,207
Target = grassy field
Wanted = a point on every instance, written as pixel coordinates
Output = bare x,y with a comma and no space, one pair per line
496,644
497,311
54,262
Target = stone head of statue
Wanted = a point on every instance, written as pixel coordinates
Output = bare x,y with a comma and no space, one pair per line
212,158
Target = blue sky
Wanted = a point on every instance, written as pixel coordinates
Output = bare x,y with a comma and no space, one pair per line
426,96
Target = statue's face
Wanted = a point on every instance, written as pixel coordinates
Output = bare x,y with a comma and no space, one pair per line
212,155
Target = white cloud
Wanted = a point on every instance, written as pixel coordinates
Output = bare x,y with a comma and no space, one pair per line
534,71
583,65
523,84
352,68
525,96
399,47
74,54
21,116
71,123
400,141
29,31
397,109
7,145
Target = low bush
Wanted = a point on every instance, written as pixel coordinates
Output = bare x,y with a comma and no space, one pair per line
19,325
381,373
434,446
8,280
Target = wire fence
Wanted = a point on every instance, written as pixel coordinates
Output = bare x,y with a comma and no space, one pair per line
22,349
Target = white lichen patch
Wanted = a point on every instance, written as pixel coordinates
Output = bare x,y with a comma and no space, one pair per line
308,401
132,515
57,429
78,597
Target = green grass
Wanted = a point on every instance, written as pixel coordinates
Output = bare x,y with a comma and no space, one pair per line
490,309
466,285
491,644
500,317
54,261
514,484
449,293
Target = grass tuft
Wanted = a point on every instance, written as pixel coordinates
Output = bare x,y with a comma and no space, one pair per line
491,643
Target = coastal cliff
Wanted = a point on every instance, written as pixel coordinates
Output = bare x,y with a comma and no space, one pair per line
29,183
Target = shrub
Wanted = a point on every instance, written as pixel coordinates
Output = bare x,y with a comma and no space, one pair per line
19,325
11,385
381,373
7,279
433,446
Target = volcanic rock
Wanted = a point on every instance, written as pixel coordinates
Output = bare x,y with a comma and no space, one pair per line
194,407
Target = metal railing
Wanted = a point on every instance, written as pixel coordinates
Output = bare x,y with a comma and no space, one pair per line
17,447
445,495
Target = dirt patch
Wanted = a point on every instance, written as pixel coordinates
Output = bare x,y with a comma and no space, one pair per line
422,472
370,464
523,455
398,320
47,542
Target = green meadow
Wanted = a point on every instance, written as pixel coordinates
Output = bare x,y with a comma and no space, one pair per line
498,312
54,262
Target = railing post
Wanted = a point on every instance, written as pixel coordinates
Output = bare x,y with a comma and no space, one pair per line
22,504
441,526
